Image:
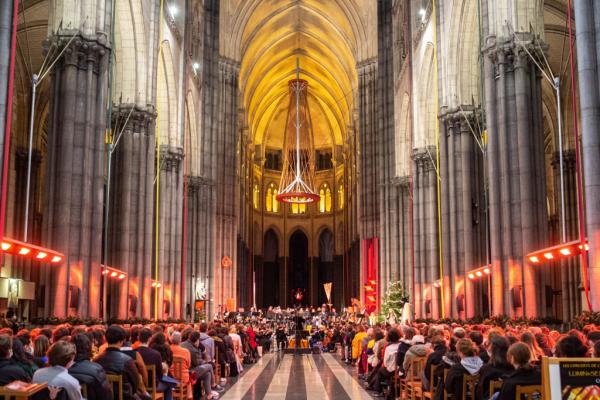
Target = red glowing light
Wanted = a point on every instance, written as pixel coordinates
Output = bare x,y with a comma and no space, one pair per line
487,271
471,276
41,255
24,251
478,273
549,256
113,274
122,276
534,259
566,251
5,246
105,272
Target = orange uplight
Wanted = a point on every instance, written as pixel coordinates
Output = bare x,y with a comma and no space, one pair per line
487,271
113,274
32,251
565,252
549,256
471,276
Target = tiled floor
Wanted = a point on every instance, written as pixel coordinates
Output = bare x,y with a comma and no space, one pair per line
296,377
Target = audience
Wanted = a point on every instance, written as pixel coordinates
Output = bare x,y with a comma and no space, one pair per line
519,355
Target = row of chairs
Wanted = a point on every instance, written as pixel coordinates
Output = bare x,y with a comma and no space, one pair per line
410,386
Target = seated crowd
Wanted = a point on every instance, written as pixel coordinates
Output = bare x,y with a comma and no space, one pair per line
191,360
386,355
79,359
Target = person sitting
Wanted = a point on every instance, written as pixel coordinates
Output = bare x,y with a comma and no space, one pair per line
497,367
116,362
208,342
88,372
22,359
152,357
470,363
60,358
405,343
434,358
40,348
9,370
570,346
388,368
519,355
417,350
477,338
202,369
184,356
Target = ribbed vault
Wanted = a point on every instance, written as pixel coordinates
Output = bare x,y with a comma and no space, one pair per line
326,37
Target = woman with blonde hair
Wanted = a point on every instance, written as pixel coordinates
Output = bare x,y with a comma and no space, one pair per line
536,351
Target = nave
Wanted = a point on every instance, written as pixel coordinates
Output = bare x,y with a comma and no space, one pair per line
278,376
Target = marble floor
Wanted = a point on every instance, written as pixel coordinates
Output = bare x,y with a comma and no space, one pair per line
296,377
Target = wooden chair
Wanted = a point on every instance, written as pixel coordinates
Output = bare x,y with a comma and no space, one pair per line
152,383
84,392
412,381
430,394
495,386
180,391
217,365
529,391
118,381
469,385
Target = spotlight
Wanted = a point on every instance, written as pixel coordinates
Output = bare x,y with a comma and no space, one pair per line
5,246
173,10
534,259
41,255
113,274
56,259
549,256
105,272
478,273
487,271
471,276
566,251
122,276
24,251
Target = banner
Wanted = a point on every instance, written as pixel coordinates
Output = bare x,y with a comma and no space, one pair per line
327,287
571,378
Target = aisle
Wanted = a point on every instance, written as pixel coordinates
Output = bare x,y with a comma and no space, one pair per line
315,376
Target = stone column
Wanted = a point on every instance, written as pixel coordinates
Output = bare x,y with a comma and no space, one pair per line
587,15
132,185
74,201
519,216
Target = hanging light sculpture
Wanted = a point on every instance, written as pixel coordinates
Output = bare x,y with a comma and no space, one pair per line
297,177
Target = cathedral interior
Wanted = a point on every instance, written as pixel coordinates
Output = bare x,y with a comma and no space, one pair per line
452,141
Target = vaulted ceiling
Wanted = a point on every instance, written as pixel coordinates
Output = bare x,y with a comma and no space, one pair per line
328,39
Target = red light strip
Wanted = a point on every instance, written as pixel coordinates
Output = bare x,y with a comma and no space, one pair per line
479,272
557,252
115,273
28,250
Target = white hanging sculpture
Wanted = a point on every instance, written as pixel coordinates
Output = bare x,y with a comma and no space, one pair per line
297,178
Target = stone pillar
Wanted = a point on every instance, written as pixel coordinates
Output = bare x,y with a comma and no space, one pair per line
587,15
131,207
368,206
516,172
74,184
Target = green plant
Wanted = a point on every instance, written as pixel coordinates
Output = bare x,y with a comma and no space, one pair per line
394,298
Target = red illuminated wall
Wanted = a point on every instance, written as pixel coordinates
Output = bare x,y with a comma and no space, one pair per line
370,266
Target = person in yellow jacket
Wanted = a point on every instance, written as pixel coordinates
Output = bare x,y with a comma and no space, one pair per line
357,342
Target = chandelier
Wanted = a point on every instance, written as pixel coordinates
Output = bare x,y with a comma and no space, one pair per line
297,177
